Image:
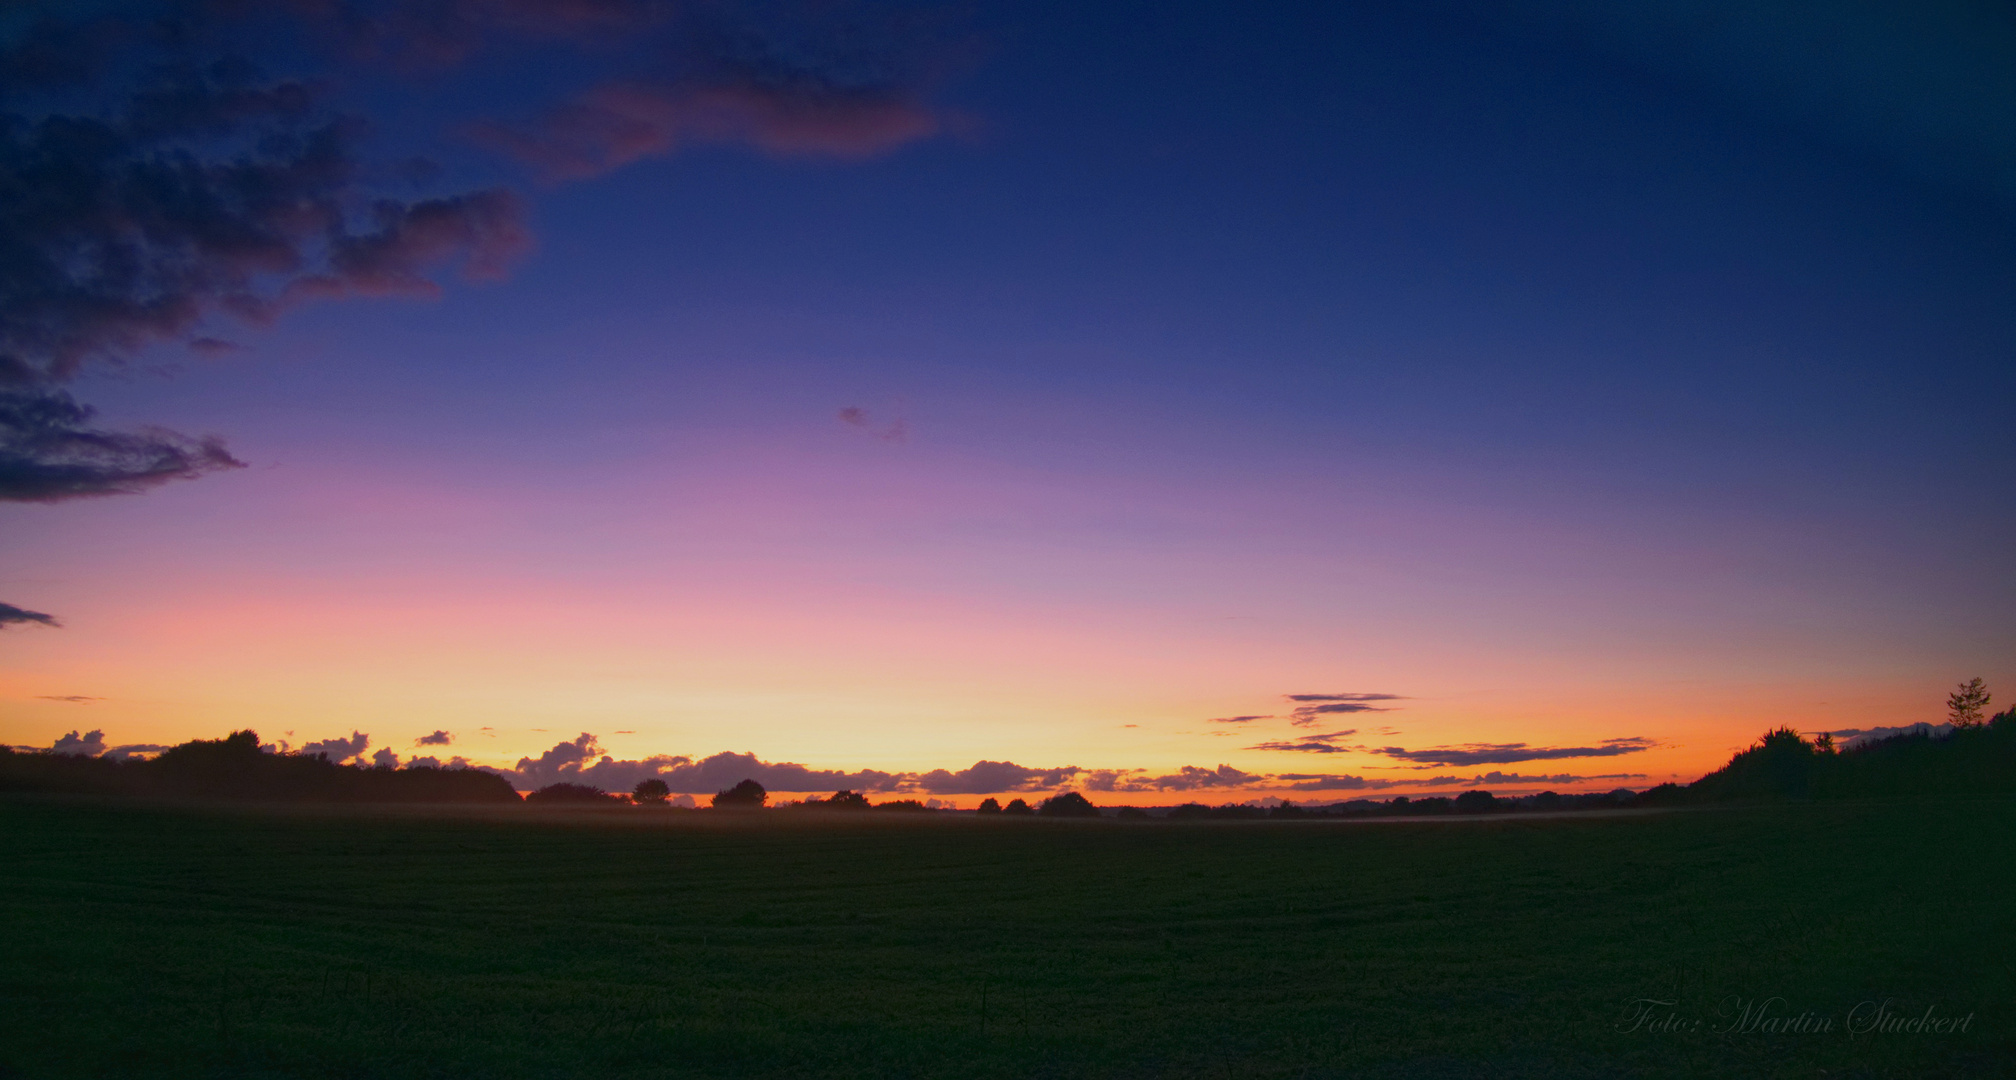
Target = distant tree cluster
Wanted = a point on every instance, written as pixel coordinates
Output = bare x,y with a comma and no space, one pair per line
235,768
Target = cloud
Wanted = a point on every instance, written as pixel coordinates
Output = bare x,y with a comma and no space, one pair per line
385,758
1313,708
1332,782
74,699
1862,736
897,430
206,192
10,615
339,750
813,96
90,744
988,777
1502,753
431,762
1237,719
48,453
438,738
1318,743
581,761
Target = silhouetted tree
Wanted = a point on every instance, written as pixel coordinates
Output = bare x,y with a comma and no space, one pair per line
569,793
1188,810
747,795
1068,804
901,804
989,805
1018,808
1288,809
1476,801
1132,813
1546,800
1965,705
845,800
650,792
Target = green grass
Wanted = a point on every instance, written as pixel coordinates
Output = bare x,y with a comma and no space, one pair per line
355,944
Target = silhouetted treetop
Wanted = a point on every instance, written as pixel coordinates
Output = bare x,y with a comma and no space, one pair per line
747,795
1068,804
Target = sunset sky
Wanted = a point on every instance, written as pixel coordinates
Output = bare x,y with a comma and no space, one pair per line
1165,401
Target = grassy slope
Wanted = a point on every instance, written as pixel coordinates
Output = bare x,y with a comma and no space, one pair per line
218,943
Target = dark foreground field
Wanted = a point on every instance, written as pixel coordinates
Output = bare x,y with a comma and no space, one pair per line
235,943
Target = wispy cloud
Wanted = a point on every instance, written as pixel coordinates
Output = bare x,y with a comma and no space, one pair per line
74,699
339,750
437,738
13,616
1317,743
1238,719
1504,753
1314,708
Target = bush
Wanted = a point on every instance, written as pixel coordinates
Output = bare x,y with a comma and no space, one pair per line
1476,802
841,800
1188,811
1068,804
652,792
747,795
1018,808
575,794
990,805
901,804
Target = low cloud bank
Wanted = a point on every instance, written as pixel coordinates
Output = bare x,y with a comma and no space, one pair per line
581,760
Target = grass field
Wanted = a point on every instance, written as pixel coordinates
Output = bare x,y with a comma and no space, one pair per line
357,944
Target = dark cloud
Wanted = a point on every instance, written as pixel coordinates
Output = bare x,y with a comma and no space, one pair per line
1313,708
48,453
431,762
206,192
90,744
988,777
1503,753
10,615
339,750
1859,736
74,699
897,430
1332,782
581,761
806,86
438,738
1319,743
1237,719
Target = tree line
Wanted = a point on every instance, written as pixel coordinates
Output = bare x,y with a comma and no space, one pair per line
1974,754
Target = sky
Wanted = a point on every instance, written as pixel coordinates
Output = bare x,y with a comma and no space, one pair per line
1166,401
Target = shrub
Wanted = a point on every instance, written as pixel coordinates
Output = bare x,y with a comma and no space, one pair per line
842,800
570,793
747,795
1018,808
990,805
1068,804
1476,802
901,804
652,792
1188,810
